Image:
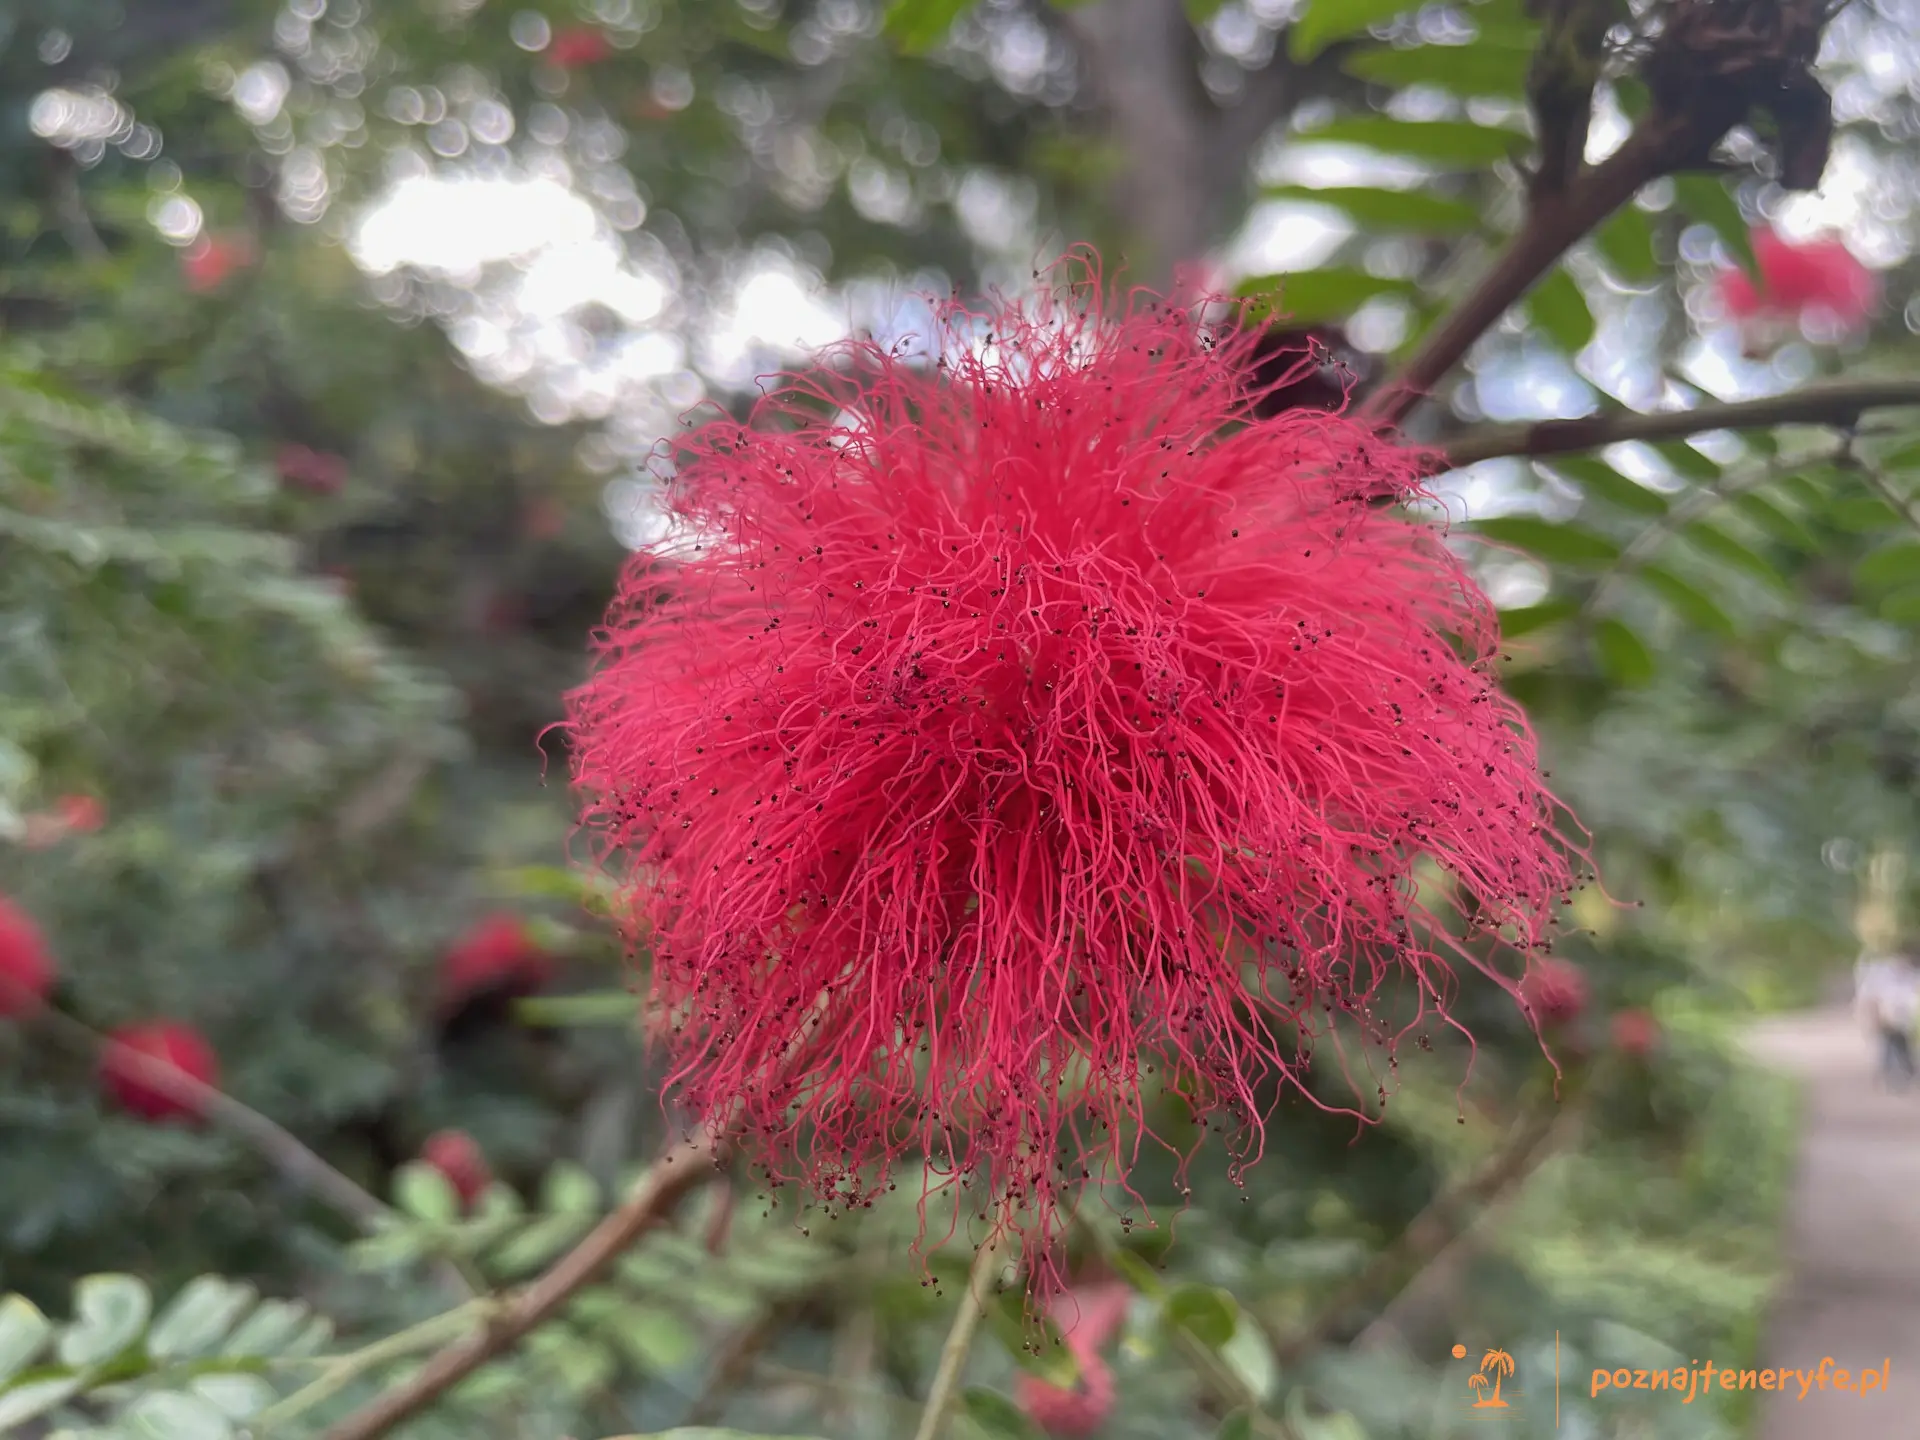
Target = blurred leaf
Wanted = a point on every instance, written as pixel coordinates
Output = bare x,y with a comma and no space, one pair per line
1706,198
538,1244
1251,1359
235,1396
1525,619
570,1190
167,1416
426,1194
1688,461
1863,514
1558,307
1902,606
1599,479
1777,522
1324,21
1894,564
602,1007
1237,1426
23,1330
1373,208
1626,240
1205,1312
1035,1343
270,1329
1307,297
21,1403
1201,11
998,1416
1712,540
1624,657
1557,543
110,1312
1688,601
1450,142
917,26
198,1317
1486,67
1136,1272
660,1343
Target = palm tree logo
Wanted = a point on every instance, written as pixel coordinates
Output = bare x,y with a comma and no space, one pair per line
1499,1364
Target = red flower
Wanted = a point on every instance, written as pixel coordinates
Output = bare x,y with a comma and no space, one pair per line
496,954
81,814
455,1155
26,964
1039,718
314,471
1087,1319
578,45
1635,1033
1796,280
208,262
1556,991
129,1083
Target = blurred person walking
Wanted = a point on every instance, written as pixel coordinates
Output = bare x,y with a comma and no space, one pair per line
1887,998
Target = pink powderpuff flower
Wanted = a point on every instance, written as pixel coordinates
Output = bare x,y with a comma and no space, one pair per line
1028,714
1088,1317
1816,277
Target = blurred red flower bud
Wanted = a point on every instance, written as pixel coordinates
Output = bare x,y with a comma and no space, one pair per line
316,472
1635,1033
455,1155
1555,990
578,45
130,1085
208,262
496,954
26,964
81,814
544,518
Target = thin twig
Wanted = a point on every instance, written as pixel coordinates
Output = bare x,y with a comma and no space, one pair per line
1552,224
343,1370
676,1173
734,1364
953,1355
1428,1277
1902,505
1838,404
1643,547
1435,1228
273,1142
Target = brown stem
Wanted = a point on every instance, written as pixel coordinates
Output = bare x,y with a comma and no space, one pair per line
682,1168
1840,403
1449,1215
734,1363
1554,221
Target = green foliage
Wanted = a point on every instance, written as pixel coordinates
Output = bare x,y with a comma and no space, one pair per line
205,1364
312,786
